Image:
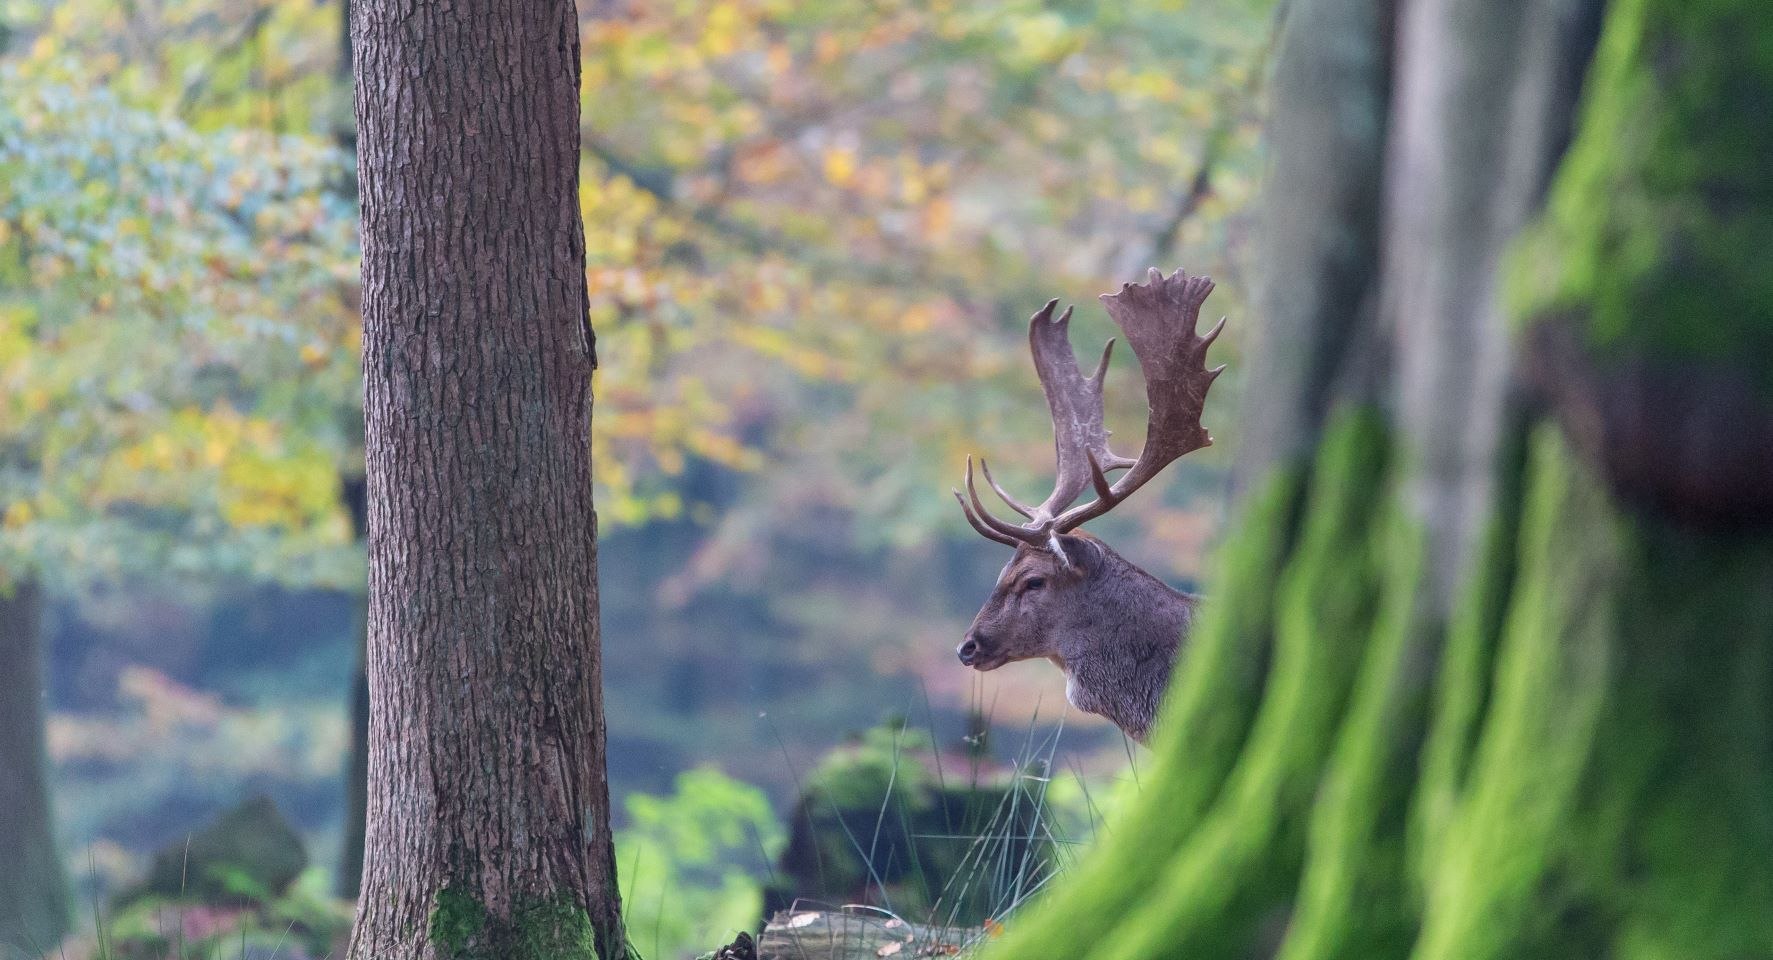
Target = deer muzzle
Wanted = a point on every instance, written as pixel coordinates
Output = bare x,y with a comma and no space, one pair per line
974,651
968,651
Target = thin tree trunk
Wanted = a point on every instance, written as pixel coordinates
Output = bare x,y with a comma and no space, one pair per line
488,828
33,891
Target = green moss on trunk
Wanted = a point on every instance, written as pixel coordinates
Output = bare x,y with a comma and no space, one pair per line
1663,205
1621,803
1551,672
1602,774
1674,830
461,928
1463,691
1353,900
1241,864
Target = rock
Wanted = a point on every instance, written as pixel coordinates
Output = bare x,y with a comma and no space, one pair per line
742,948
248,854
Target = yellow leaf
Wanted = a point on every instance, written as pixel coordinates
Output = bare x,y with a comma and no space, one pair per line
840,165
18,513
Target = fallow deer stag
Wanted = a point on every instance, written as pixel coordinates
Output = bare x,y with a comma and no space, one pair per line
1111,627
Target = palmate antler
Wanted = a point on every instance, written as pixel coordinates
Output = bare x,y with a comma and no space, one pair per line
1159,318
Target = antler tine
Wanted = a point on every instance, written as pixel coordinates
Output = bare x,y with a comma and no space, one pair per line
1207,338
1014,504
1099,480
984,530
1101,374
1075,403
1100,379
1010,530
1160,319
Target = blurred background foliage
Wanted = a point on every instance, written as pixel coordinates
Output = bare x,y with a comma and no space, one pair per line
815,233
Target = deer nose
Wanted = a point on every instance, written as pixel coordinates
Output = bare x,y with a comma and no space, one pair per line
968,651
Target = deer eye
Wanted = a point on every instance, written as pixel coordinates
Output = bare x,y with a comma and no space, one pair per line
1033,583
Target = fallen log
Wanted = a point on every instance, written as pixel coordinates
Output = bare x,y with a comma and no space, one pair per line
857,933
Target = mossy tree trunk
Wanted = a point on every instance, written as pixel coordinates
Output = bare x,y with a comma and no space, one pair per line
33,890
488,810
1487,667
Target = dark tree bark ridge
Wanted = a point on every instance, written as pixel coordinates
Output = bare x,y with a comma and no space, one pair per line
488,832
353,492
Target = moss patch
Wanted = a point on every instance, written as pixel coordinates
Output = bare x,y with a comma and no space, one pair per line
458,923
547,929
556,929
1657,223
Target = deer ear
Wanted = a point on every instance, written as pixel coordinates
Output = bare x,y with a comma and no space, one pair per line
1081,554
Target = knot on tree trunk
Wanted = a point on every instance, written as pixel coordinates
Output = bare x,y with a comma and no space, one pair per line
1685,440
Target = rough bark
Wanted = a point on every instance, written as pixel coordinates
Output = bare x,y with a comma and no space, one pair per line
488,823
33,891
1520,693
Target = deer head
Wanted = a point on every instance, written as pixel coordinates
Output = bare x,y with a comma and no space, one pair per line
1065,596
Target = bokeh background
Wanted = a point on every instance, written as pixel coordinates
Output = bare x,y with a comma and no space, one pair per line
816,231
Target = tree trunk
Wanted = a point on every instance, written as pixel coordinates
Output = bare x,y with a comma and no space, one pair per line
488,826
1515,601
33,892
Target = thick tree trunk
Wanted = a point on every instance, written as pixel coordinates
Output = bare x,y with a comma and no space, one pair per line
33,891
488,826
1517,599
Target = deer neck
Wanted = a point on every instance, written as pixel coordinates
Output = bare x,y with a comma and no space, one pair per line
1117,661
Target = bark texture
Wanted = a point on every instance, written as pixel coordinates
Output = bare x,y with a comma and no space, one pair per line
1518,626
33,891
488,817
